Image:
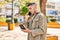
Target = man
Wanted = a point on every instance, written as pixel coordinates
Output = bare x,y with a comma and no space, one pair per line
36,24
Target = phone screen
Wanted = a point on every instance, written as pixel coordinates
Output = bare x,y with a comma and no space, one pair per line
22,27
29,13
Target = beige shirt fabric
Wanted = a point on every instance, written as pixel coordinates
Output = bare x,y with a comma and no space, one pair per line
37,24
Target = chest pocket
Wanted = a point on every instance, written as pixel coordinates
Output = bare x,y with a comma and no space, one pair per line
35,23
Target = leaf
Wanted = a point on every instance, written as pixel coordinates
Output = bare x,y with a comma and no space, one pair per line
24,10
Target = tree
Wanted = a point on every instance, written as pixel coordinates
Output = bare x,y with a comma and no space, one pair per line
43,6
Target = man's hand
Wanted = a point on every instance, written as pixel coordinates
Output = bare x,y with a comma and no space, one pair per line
27,30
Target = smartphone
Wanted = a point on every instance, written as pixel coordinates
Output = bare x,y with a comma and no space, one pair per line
29,13
22,27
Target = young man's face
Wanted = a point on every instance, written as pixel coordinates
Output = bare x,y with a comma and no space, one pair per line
32,8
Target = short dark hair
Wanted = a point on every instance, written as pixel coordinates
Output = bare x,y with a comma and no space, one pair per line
29,4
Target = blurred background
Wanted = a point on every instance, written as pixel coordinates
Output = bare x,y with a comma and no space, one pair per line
11,10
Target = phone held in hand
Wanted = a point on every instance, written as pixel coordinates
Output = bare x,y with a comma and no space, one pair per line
22,27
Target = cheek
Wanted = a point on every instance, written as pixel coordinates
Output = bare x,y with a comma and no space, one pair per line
30,10
34,9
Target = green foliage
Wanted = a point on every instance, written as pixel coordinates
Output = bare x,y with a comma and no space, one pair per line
15,20
23,6
7,0
53,20
8,21
24,10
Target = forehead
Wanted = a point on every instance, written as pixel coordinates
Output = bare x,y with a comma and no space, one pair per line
34,5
